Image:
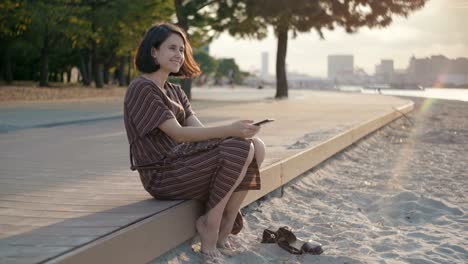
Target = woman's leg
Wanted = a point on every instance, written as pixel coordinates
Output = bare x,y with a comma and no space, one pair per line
236,199
208,224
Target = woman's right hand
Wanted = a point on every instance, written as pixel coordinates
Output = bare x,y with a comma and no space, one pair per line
244,129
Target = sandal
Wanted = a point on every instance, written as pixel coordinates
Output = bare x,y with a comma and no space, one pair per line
289,242
286,239
269,236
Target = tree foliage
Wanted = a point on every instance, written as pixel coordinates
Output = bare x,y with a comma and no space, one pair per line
208,65
14,19
196,17
96,35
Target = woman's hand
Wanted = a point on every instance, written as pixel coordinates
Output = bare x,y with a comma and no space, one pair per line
244,129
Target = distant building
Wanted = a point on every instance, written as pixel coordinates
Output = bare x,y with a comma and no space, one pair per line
341,68
384,72
438,71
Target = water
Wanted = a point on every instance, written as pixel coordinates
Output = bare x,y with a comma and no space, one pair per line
438,93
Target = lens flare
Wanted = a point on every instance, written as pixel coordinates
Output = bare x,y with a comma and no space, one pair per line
407,150
426,105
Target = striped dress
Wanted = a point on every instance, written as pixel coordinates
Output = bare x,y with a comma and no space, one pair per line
204,170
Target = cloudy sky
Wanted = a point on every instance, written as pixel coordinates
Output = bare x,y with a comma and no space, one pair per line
441,27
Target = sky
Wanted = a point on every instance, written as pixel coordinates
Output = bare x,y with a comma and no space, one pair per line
440,27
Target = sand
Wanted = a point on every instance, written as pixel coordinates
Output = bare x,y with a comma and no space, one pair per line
397,196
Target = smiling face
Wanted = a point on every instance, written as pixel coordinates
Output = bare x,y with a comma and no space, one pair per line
170,54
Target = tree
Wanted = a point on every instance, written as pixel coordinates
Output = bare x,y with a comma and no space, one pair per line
133,21
108,32
14,21
49,21
207,63
97,35
196,19
251,18
228,68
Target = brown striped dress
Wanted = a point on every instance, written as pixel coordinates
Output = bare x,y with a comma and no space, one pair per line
204,170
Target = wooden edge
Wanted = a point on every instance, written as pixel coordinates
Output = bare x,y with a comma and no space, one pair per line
271,179
309,158
140,242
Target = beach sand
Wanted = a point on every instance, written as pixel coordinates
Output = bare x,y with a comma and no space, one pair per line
397,196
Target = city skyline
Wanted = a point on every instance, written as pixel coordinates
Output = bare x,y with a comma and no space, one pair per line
437,29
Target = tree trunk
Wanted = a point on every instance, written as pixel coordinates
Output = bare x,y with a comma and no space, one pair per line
69,71
281,81
44,73
187,87
181,16
98,76
89,66
7,72
183,23
129,73
106,74
33,71
84,69
97,68
121,74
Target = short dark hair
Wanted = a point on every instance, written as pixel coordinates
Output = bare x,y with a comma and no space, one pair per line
156,35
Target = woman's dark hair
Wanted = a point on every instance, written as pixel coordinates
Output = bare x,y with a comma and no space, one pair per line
156,35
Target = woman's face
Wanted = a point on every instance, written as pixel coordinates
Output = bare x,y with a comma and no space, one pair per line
170,54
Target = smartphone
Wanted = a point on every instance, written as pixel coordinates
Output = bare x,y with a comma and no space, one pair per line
268,120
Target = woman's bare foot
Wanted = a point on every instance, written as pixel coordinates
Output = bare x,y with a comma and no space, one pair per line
228,243
224,231
229,247
208,238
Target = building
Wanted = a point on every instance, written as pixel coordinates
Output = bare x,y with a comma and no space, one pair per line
341,68
438,71
384,72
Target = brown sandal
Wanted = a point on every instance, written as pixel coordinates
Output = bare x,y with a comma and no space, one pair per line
286,239
269,236
289,242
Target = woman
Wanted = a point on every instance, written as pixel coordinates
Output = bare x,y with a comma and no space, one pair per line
176,156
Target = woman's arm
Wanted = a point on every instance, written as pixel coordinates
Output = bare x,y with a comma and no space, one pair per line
193,121
242,128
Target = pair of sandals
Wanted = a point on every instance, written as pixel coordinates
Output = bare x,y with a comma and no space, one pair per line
286,239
